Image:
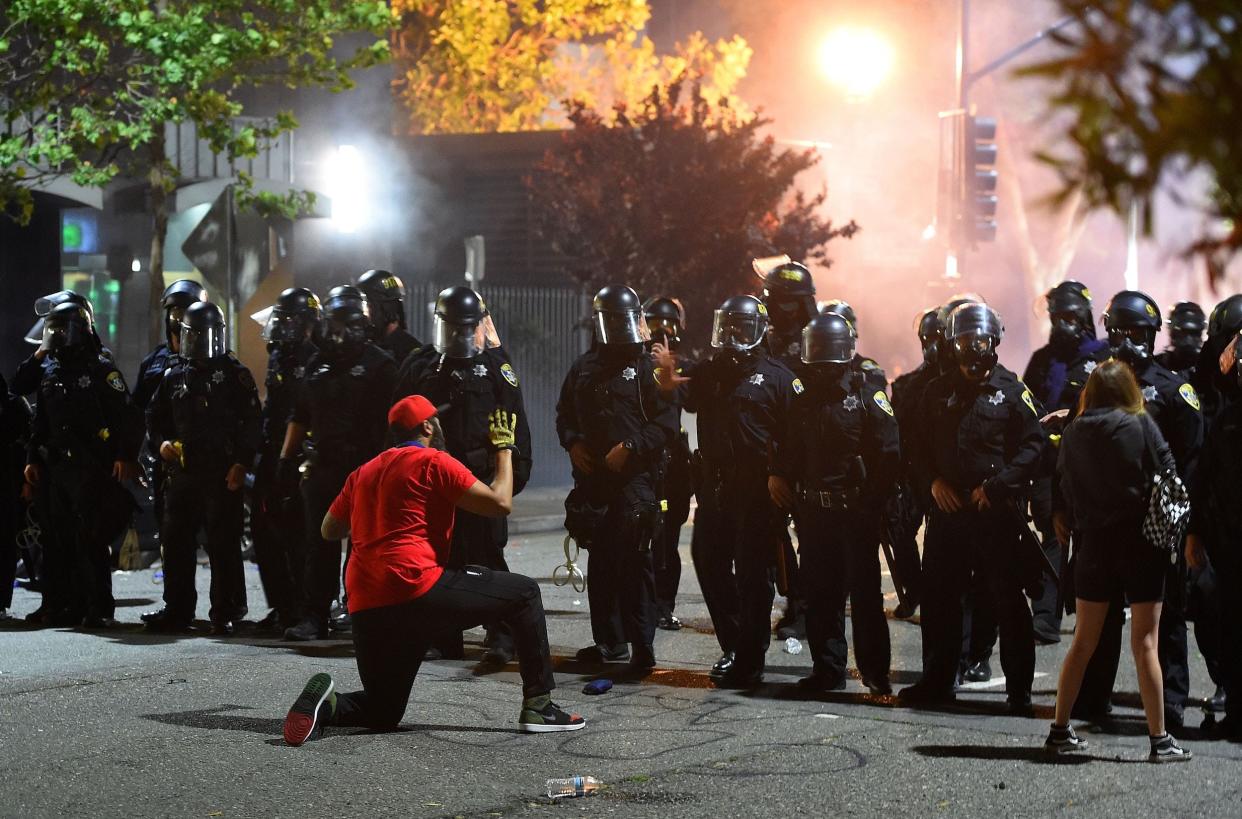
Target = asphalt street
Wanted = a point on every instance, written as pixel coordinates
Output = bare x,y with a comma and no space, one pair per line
123,723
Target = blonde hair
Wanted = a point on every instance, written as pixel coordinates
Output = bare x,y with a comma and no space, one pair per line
1112,385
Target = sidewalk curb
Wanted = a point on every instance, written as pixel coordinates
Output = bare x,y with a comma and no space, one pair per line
537,524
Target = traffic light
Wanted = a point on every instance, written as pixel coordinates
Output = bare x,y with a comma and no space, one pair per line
979,184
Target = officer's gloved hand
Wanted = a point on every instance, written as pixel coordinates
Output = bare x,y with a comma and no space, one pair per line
287,477
502,429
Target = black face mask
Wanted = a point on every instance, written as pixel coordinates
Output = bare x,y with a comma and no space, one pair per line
1185,344
1127,348
736,358
1066,335
931,351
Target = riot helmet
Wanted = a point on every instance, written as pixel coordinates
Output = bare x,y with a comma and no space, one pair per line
665,320
203,335
842,309
386,295
1226,319
1069,313
929,331
177,297
1187,322
45,304
292,318
1132,320
789,293
618,316
975,331
457,330
346,322
828,339
67,328
944,343
739,323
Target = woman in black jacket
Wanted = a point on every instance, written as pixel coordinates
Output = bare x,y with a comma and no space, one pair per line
1104,468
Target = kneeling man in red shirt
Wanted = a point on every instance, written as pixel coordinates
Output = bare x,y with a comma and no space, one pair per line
398,511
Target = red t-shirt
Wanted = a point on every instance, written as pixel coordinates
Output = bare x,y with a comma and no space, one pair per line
400,508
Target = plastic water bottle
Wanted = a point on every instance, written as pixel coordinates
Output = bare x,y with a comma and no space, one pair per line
793,646
573,786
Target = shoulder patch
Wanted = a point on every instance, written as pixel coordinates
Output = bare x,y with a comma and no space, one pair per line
881,401
506,370
1029,401
116,381
797,386
1189,395
869,365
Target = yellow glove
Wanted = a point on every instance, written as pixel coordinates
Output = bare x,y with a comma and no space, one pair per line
502,429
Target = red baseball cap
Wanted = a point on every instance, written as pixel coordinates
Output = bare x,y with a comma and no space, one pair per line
411,411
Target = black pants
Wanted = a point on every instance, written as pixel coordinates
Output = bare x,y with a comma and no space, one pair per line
10,515
200,500
478,541
621,576
1229,579
321,559
390,641
1047,609
77,565
958,546
748,532
906,547
979,627
277,526
712,554
1203,607
1101,673
665,555
841,557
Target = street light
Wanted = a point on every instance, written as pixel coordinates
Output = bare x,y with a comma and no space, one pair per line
857,60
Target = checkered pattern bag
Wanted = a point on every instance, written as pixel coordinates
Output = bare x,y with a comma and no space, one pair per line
1168,505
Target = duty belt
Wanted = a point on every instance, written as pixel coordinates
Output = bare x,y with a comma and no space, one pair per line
830,498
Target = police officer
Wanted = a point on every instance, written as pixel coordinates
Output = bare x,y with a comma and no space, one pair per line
1133,321
467,373
982,427
177,297
341,414
1187,323
741,395
911,507
837,456
30,372
386,297
1214,388
206,415
275,520
1056,375
665,324
83,446
616,426
789,295
1215,533
14,436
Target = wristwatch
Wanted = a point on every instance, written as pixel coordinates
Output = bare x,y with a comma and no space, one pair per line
628,444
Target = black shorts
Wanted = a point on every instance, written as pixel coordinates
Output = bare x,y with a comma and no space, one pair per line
1118,559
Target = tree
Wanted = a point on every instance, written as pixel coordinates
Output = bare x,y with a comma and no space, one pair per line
1151,89
89,86
676,198
504,65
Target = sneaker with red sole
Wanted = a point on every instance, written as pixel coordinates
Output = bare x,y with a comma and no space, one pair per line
540,716
311,711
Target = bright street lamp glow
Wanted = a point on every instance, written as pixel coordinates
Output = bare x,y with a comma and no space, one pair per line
857,60
346,183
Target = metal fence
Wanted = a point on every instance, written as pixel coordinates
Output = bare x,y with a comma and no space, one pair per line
542,330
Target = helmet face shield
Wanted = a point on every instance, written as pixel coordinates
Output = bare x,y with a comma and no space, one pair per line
62,335
737,331
975,353
282,327
626,327
457,340
203,344
820,349
344,334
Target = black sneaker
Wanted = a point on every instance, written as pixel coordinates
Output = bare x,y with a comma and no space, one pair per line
820,683
542,716
1166,749
311,711
619,653
1063,740
924,694
1214,704
739,679
307,630
165,620
498,656
878,684
906,610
